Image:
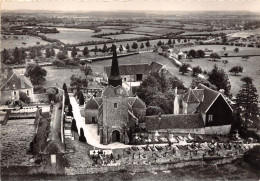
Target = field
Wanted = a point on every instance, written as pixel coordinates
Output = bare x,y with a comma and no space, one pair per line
229,49
57,76
155,30
15,138
246,33
209,32
251,68
113,27
195,26
73,35
125,36
11,42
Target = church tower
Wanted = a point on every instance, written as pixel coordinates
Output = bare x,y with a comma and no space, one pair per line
114,78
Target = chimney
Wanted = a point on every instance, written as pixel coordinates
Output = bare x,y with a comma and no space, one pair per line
222,91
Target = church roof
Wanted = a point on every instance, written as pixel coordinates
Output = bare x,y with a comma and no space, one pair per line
209,98
190,97
15,81
111,91
172,121
138,103
91,104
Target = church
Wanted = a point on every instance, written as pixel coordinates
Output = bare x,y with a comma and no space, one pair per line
117,113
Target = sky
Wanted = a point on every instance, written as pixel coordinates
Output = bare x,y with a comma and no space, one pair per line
144,5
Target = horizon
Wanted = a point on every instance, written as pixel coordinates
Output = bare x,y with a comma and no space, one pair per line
120,6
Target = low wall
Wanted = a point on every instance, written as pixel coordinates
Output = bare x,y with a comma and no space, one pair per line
219,130
143,168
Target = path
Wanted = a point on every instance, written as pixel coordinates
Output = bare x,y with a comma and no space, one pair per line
90,130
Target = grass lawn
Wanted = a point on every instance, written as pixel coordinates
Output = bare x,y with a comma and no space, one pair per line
251,68
15,140
229,49
11,42
57,76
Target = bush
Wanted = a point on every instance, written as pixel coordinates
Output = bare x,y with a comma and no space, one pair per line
82,138
74,126
23,97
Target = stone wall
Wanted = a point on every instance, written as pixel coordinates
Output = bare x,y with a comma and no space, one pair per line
193,131
220,130
89,113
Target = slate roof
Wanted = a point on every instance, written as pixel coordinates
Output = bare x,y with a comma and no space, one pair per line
209,98
111,91
99,100
133,69
15,81
91,104
138,103
172,121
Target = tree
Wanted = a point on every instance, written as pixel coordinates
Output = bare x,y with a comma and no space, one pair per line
245,58
47,53
153,110
236,70
247,102
224,48
70,110
236,50
127,47
61,56
96,50
23,97
184,68
196,81
215,56
104,48
82,138
134,45
78,82
225,62
219,78
142,46
169,42
64,87
58,63
32,53
5,55
85,51
74,52
174,82
74,126
87,70
121,48
147,44
159,43
161,101
226,54
36,73
173,42
16,55
192,53
81,98
52,52
51,93
200,54
196,70
38,53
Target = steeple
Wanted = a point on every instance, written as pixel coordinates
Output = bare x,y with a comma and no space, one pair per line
114,78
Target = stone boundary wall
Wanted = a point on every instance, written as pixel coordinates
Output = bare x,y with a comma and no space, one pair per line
143,168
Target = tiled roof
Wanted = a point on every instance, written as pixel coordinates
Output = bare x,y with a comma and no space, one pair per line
172,121
15,81
99,100
91,104
199,94
209,97
156,67
111,91
130,69
131,100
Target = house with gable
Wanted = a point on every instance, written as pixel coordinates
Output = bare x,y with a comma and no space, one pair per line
199,111
11,84
176,53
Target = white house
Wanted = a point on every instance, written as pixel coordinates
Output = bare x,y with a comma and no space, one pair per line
176,53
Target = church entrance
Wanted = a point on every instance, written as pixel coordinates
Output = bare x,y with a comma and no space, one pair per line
115,136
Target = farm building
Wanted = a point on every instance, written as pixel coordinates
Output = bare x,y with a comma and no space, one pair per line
176,53
13,83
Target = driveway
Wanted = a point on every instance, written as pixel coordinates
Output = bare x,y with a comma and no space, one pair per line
90,130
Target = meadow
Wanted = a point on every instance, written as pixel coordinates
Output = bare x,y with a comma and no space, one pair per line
155,30
124,36
10,43
195,26
73,35
250,68
229,49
